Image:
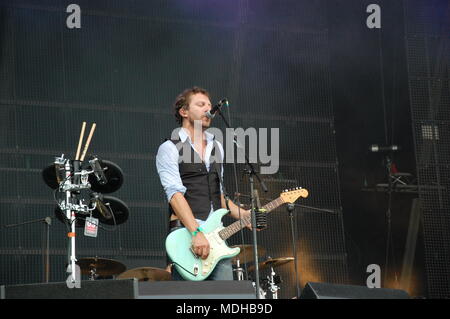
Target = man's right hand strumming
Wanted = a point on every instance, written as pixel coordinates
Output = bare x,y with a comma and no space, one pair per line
200,245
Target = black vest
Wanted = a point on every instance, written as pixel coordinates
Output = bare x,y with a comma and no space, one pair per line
202,187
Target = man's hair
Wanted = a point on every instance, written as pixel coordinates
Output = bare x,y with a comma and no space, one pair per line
183,100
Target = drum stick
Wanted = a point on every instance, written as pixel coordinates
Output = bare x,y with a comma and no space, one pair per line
88,141
83,127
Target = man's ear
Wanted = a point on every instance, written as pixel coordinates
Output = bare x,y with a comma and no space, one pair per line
182,111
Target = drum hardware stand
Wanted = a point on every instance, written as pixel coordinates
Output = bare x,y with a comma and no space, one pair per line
93,274
45,247
273,281
250,170
260,292
80,181
239,270
71,178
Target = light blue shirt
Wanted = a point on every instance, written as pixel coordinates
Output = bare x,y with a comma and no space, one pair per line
168,167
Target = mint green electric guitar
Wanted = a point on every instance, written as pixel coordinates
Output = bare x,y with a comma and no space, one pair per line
189,265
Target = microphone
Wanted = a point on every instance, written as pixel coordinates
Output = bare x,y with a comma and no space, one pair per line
98,171
215,108
390,148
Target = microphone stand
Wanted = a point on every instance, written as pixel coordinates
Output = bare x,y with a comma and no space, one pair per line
291,208
251,173
45,247
388,217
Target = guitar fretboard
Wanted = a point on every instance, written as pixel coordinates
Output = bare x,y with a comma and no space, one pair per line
238,225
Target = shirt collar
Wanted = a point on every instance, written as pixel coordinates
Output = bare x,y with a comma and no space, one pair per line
184,135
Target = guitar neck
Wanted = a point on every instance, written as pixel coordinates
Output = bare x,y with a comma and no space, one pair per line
238,225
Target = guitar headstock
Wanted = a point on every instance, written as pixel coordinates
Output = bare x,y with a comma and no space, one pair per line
290,196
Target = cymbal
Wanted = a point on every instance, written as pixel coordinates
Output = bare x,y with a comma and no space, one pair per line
272,262
246,255
146,274
102,266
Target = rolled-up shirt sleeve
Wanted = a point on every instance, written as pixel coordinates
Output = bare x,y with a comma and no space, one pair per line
168,169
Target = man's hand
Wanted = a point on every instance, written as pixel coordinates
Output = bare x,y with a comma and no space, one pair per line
200,245
247,214
238,213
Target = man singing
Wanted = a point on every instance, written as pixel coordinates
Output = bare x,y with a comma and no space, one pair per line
194,187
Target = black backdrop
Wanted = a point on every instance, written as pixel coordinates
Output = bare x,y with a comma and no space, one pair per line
310,68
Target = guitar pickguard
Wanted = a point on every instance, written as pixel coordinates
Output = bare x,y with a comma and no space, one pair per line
218,250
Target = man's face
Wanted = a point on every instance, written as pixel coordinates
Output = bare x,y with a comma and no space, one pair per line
199,104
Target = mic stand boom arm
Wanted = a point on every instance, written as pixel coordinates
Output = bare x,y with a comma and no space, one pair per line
45,247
